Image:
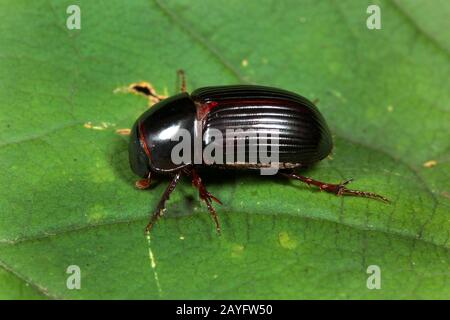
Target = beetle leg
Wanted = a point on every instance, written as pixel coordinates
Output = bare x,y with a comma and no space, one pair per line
338,189
143,184
182,79
162,203
206,196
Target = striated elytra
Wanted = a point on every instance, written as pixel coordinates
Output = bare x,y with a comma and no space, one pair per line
302,137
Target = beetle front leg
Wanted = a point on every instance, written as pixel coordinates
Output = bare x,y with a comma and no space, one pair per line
337,189
206,196
143,184
162,203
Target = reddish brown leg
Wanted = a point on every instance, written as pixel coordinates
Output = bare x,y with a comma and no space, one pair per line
206,196
338,189
182,80
143,184
162,203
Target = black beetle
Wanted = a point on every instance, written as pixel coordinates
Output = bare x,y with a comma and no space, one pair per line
303,135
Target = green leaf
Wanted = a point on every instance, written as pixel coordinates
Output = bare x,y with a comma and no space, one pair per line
67,195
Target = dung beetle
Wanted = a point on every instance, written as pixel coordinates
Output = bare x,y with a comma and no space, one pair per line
303,136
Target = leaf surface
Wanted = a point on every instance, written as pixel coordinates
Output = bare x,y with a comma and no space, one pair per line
67,195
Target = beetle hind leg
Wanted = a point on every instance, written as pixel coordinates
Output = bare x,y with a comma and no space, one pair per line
339,189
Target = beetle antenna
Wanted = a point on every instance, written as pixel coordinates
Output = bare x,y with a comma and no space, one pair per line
182,79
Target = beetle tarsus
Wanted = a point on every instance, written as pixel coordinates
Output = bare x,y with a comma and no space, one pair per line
149,226
162,203
213,213
365,194
337,189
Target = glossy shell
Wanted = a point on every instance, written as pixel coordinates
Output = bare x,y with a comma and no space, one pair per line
152,135
304,137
